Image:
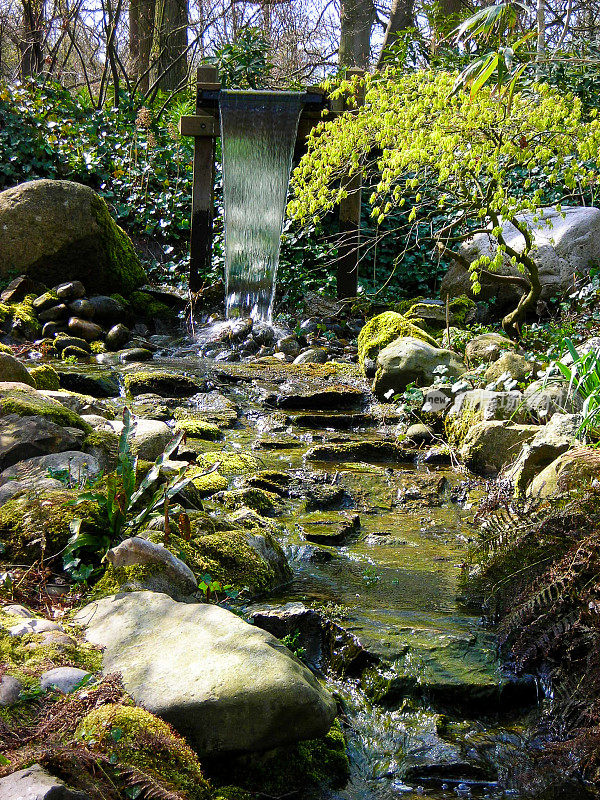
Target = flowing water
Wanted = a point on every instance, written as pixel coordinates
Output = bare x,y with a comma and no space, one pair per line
258,134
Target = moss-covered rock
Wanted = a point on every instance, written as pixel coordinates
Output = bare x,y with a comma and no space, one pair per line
314,762
197,429
104,446
133,578
382,330
209,483
162,382
132,737
258,500
61,230
229,463
24,318
18,398
146,306
36,525
45,377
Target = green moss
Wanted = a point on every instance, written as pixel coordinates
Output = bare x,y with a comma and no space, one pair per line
229,557
230,463
384,329
24,312
26,657
197,429
72,351
98,347
105,446
36,525
286,770
457,427
123,579
28,403
208,484
4,348
125,272
161,382
45,377
133,737
146,306
4,312
256,499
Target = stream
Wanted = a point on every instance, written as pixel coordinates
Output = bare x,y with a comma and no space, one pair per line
433,714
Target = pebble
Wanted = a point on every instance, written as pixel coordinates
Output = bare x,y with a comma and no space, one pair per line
65,679
70,341
58,638
10,689
44,301
72,290
34,626
107,307
315,355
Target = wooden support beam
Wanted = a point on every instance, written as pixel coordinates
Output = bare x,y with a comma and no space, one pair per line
203,187
349,222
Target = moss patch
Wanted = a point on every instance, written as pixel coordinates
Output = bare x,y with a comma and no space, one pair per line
133,737
105,446
29,403
24,313
384,329
256,499
230,463
197,429
45,377
146,306
124,272
123,579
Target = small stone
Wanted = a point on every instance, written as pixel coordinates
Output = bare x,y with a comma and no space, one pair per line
65,679
71,341
18,289
85,329
75,352
289,346
16,610
10,689
34,783
134,355
82,308
54,313
420,434
117,337
315,355
44,301
72,290
107,307
57,638
33,626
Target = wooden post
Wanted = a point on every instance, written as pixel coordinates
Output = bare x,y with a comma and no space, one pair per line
204,128
349,223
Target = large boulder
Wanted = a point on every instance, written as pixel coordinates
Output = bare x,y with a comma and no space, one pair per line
574,469
25,437
34,783
223,684
60,230
568,245
487,347
409,360
544,398
489,445
481,405
552,440
11,369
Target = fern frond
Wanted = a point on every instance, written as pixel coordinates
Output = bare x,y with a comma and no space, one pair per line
151,788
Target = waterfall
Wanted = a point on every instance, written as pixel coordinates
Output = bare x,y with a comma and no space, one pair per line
258,134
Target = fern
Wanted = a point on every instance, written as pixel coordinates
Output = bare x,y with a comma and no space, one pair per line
151,788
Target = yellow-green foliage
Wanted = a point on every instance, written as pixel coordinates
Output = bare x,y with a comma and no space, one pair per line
147,306
98,347
208,483
382,330
45,377
197,429
4,348
457,427
123,579
36,525
131,736
470,147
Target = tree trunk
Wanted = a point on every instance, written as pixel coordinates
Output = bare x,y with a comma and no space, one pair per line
170,43
31,44
141,32
356,21
401,18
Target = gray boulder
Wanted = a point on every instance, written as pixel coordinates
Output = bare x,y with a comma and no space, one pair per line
171,575
10,689
488,446
487,347
568,245
64,679
407,360
54,230
11,369
575,469
32,470
26,437
545,398
150,437
34,783
223,684
551,441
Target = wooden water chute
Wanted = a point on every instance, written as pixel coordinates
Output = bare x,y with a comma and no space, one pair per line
204,127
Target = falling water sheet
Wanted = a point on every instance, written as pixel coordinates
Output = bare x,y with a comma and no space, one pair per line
258,134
